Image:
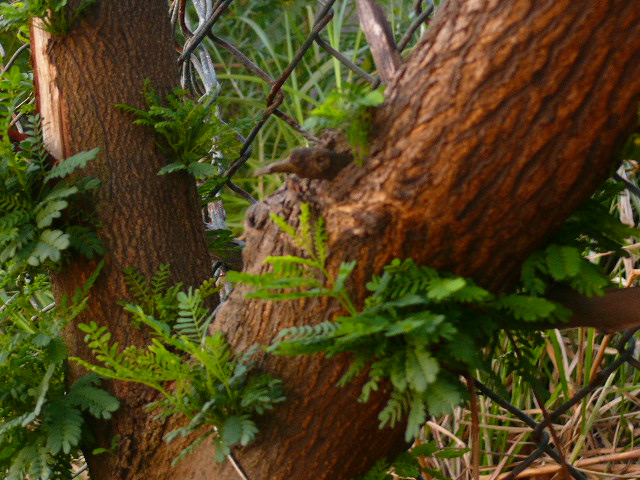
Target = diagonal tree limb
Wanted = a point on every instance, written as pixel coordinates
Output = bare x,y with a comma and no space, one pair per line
380,37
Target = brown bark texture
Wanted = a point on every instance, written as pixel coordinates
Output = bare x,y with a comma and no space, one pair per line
80,78
506,117
503,121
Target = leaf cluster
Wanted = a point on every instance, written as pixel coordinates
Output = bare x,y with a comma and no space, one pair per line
591,229
42,422
56,18
195,373
595,227
348,109
35,226
407,464
419,329
294,277
195,139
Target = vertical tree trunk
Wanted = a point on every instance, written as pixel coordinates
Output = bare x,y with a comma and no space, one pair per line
147,220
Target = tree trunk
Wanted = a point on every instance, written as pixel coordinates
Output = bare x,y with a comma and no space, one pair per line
504,120
79,79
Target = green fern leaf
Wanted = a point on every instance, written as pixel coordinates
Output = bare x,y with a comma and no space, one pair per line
202,170
563,262
69,165
85,241
32,461
60,191
394,410
529,309
231,431
304,239
49,247
531,270
416,418
172,167
442,396
49,212
283,225
428,365
41,464
343,274
87,396
441,288
592,281
64,426
320,240
160,281
249,430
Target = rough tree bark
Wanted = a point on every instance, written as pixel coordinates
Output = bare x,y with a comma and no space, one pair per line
79,80
504,120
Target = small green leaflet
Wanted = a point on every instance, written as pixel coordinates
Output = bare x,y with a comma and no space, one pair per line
69,165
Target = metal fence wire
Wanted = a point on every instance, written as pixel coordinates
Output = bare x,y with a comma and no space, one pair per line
199,73
196,21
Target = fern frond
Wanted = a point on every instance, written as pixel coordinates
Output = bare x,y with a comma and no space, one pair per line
64,426
394,410
69,165
283,225
87,396
138,285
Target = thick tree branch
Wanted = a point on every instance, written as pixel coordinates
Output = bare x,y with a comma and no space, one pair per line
618,310
505,119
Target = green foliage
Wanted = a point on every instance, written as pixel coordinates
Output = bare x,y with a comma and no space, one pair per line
221,243
419,328
36,225
296,277
196,373
563,264
593,228
42,422
57,19
196,140
348,109
407,464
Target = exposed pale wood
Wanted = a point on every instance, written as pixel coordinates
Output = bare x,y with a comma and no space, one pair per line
45,79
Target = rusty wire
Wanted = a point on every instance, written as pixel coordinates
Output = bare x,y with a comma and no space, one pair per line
199,77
